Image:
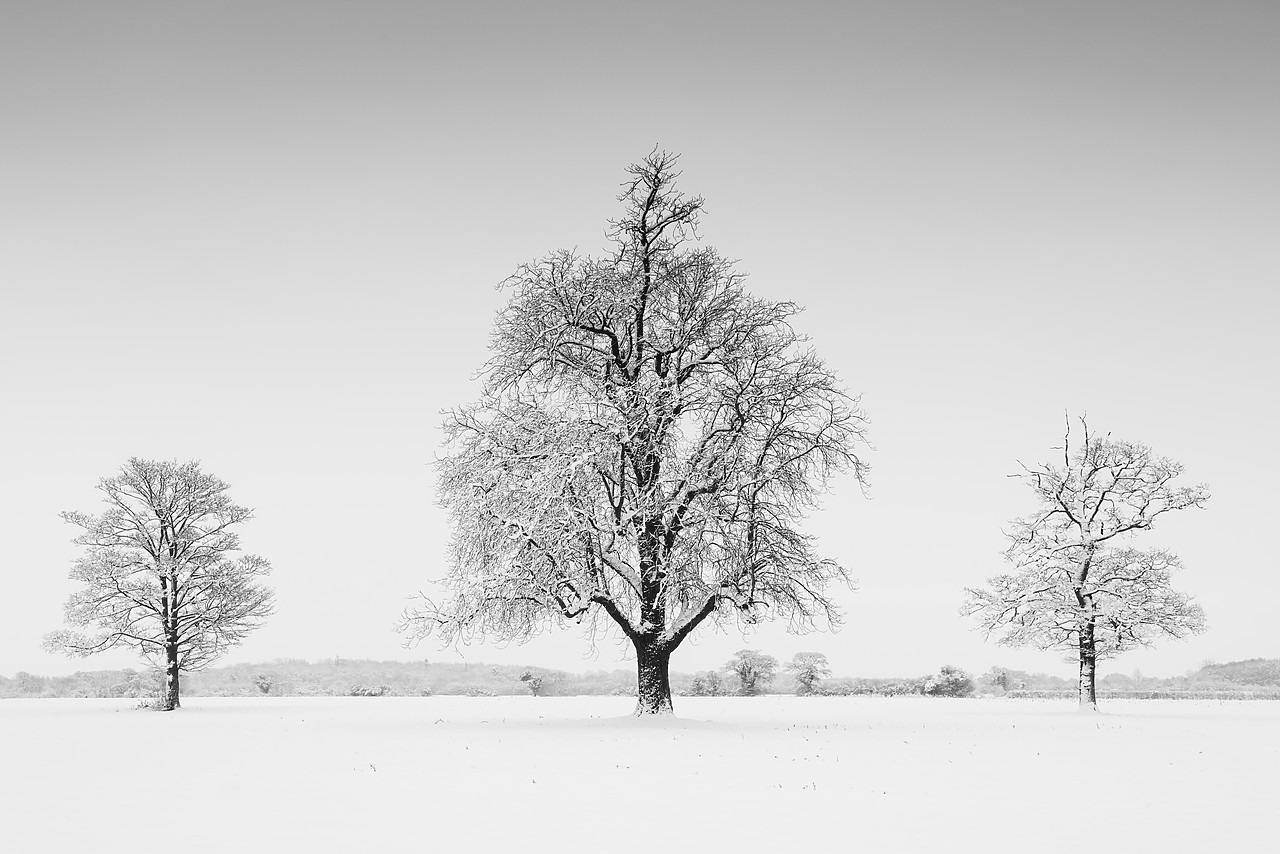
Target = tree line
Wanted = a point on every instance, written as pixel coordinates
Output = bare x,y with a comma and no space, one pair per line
647,442
340,677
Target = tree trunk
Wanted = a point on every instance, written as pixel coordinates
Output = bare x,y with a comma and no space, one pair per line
1088,669
653,682
169,700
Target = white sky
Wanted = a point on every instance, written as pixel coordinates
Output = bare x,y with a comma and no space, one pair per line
266,236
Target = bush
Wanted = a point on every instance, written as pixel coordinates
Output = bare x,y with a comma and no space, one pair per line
840,688
378,691
950,682
845,687
904,687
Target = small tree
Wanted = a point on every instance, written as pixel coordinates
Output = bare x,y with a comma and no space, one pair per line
753,669
533,681
161,572
808,668
1075,585
647,442
997,679
706,684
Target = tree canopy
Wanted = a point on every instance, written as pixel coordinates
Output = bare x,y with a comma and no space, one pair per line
1077,584
161,572
647,441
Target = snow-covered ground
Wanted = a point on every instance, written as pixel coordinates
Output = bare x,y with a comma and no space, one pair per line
565,774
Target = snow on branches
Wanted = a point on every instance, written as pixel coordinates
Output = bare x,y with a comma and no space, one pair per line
648,438
1076,585
161,571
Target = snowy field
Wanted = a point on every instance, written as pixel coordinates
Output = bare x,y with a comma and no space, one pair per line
565,774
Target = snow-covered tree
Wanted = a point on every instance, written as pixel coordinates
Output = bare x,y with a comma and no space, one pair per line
1077,585
753,669
533,681
706,684
998,679
161,572
948,682
648,439
808,668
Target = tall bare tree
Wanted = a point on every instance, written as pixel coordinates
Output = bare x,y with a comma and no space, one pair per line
161,573
1077,586
648,438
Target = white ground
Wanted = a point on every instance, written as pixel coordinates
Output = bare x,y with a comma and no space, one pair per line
760,774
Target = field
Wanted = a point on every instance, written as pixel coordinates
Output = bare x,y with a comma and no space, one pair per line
543,774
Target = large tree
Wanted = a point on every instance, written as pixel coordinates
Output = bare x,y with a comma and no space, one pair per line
161,572
648,438
1077,584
